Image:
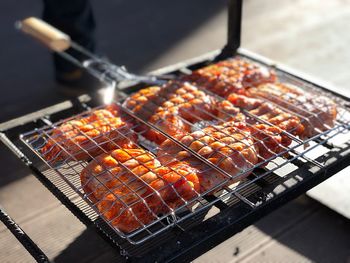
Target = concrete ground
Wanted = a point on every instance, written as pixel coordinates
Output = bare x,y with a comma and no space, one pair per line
145,35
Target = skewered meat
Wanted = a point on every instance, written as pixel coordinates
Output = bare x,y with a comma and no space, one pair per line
228,146
174,107
86,137
231,76
131,187
317,113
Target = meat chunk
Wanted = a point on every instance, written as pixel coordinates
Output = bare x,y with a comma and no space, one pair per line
173,108
266,111
308,114
130,187
316,112
88,136
231,76
228,146
270,141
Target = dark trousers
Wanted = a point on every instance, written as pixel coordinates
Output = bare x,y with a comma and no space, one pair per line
75,18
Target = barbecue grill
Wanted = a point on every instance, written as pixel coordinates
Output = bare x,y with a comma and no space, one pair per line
203,222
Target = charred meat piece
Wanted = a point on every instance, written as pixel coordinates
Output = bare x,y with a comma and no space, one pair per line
88,136
317,113
231,76
130,187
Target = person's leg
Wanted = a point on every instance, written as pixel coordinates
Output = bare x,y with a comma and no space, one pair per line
75,18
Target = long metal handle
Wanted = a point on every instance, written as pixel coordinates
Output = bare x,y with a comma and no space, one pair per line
45,33
102,69
55,40
60,42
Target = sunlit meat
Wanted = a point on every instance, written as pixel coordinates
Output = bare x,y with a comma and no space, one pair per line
262,110
87,136
316,112
228,146
230,76
130,187
174,108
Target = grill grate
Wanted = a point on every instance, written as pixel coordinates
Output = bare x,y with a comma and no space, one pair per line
213,215
269,170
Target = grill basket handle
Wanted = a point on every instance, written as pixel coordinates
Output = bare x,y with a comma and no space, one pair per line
45,33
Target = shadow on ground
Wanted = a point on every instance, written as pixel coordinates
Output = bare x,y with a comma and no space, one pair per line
89,247
320,235
303,226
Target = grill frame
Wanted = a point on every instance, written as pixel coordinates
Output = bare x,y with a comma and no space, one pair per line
176,244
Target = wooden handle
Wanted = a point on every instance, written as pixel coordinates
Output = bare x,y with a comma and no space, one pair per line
45,33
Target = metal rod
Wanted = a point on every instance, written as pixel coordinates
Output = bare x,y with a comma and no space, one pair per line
22,237
234,21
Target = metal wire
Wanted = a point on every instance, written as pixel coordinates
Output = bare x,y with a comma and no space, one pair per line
70,167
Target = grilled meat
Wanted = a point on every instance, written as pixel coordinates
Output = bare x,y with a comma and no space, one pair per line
86,137
230,76
270,141
285,105
266,111
317,113
228,146
131,187
173,108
